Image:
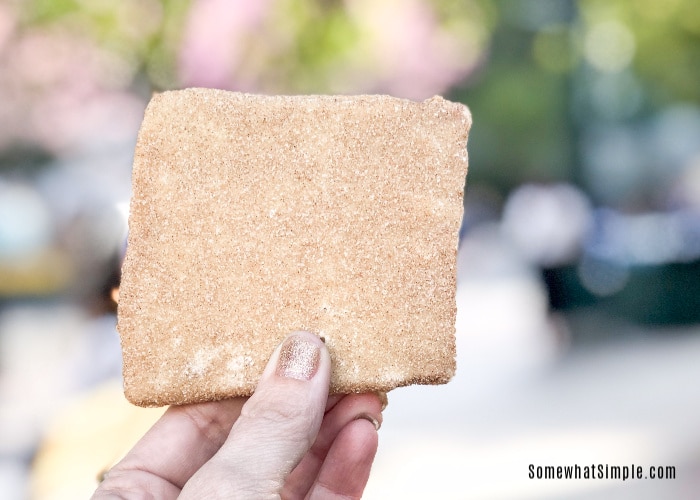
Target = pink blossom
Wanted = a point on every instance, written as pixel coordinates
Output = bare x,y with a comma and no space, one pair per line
212,46
413,56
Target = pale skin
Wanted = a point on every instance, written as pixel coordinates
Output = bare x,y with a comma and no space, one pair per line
289,440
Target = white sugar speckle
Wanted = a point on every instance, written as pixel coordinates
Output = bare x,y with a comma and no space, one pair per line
200,362
239,363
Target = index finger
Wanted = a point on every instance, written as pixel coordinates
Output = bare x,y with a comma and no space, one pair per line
178,444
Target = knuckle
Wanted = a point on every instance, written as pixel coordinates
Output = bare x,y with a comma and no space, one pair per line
284,412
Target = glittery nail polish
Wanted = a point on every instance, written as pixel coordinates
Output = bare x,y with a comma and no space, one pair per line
298,359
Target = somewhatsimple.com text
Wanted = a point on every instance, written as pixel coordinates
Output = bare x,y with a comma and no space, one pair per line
601,471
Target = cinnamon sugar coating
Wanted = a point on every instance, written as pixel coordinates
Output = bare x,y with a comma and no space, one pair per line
255,216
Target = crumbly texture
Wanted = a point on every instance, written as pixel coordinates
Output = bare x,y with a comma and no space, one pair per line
255,216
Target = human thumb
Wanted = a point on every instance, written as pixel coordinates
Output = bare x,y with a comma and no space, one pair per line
277,426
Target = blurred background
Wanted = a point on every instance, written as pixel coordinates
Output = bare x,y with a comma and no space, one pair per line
579,266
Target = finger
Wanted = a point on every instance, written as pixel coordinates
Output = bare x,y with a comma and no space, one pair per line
277,425
345,471
333,399
178,444
349,408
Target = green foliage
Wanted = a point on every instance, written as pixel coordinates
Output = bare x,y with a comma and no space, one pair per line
520,127
43,11
667,42
324,35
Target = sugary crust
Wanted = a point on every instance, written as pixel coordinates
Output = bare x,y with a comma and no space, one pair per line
254,216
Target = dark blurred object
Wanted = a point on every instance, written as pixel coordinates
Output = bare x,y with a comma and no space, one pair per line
644,268
640,267
105,302
655,295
